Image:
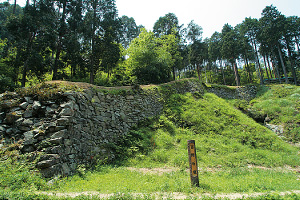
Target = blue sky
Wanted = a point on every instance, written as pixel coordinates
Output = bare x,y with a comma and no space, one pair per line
211,15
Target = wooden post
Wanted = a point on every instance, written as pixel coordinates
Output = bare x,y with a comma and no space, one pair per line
193,163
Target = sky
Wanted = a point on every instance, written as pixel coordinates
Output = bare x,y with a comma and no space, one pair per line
211,15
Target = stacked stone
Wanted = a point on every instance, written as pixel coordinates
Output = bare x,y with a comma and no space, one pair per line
245,92
80,128
40,126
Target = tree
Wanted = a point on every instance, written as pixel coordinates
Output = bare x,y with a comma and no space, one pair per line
194,32
171,44
198,49
250,29
214,51
129,30
73,39
7,11
289,32
166,25
198,53
230,48
148,60
32,33
101,16
272,22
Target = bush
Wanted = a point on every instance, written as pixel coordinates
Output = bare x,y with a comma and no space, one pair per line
6,84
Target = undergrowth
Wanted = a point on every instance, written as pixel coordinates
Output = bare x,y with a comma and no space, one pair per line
225,136
235,154
18,171
281,103
45,91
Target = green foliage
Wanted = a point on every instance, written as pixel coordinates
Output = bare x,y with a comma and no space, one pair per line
45,91
17,171
234,153
166,24
6,84
227,137
139,140
281,104
149,61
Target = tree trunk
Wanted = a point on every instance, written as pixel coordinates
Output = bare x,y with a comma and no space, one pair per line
92,72
276,67
283,66
205,74
15,6
248,69
268,63
236,72
266,68
55,67
174,74
198,72
24,74
292,62
297,42
59,42
28,51
222,69
258,63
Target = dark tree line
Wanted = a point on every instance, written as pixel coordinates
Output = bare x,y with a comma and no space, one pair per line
86,40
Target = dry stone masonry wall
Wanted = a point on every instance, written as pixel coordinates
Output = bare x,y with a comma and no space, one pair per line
78,128
246,92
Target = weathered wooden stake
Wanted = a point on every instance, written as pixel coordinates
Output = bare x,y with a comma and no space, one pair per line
193,163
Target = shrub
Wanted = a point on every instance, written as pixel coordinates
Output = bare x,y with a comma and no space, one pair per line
6,84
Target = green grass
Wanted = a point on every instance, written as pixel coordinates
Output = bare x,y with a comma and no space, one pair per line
228,143
282,105
18,173
234,180
224,136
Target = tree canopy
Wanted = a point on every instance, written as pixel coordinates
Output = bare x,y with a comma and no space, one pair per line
86,40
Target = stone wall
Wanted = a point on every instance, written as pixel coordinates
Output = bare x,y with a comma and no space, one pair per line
246,92
78,128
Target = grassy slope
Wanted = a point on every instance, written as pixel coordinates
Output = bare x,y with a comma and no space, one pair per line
282,105
227,143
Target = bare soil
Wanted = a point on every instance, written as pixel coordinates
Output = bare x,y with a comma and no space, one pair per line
174,195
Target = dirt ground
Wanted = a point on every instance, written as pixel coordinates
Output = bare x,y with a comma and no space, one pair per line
174,195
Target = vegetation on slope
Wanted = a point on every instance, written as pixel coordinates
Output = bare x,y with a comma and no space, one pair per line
235,154
225,136
281,103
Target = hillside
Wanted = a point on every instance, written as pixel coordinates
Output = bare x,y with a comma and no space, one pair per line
235,153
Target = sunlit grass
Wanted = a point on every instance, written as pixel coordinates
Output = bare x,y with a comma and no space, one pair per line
227,143
229,180
281,103
235,154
